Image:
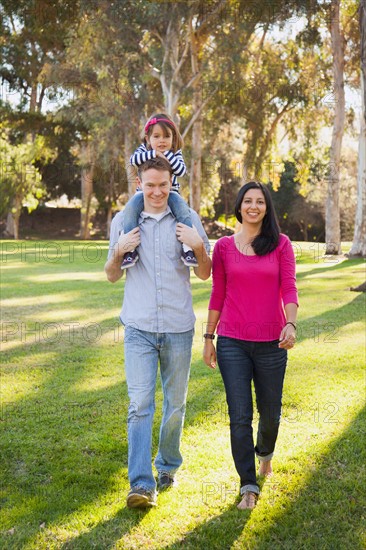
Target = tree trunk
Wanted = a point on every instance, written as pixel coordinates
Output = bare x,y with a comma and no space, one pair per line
170,78
12,220
109,220
196,165
332,216
131,171
359,239
110,200
86,189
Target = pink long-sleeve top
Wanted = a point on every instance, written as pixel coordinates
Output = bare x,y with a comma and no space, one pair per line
250,292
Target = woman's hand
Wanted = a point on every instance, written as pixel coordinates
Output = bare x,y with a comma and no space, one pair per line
287,337
209,354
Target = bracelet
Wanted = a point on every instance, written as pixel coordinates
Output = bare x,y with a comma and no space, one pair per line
293,324
209,336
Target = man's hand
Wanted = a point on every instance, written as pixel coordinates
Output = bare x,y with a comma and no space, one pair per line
189,236
128,242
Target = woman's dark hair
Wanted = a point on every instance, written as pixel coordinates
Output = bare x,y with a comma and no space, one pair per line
267,240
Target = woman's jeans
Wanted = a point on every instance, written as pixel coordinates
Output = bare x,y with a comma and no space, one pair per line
143,351
240,362
135,206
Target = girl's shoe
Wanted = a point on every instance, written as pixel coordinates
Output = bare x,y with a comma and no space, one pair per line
129,259
189,259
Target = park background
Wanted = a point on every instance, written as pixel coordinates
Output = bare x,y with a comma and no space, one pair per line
267,90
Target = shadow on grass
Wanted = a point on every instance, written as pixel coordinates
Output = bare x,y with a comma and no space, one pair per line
84,447
330,266
328,513
325,327
64,448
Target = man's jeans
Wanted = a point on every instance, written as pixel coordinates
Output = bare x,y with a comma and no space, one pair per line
143,351
240,362
135,206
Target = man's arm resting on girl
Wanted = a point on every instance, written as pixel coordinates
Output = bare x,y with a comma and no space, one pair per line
126,243
191,237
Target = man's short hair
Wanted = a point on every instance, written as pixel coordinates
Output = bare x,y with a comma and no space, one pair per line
157,163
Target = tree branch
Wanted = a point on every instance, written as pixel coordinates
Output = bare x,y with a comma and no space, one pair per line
210,16
155,73
197,114
182,59
155,33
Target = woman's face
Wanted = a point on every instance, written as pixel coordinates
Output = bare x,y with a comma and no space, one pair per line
253,207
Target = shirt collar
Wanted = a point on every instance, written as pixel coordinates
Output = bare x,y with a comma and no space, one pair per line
144,215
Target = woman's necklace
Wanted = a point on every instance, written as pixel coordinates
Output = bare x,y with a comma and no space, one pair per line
244,241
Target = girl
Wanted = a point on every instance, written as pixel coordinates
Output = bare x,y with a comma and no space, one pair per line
254,305
162,139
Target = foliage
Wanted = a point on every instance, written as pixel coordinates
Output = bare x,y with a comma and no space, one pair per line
20,175
100,68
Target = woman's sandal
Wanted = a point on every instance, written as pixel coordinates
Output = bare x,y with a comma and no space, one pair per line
248,501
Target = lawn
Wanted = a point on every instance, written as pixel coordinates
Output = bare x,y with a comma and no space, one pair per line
64,405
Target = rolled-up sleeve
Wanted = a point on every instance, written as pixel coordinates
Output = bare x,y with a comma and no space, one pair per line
115,231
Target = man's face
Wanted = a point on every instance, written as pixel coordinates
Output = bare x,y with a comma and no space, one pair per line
155,185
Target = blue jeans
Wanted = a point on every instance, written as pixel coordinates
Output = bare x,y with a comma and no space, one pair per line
135,206
143,351
240,362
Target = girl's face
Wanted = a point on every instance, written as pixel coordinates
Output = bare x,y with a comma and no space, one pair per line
253,207
160,139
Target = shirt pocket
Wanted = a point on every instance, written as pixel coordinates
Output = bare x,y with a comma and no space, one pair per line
173,249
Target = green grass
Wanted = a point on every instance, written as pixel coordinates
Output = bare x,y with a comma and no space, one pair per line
63,418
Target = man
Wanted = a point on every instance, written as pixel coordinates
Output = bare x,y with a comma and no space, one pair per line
159,326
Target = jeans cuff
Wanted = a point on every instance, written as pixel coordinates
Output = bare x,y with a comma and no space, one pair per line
251,488
144,488
266,458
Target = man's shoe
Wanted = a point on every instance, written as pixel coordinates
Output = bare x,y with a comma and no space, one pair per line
165,481
140,498
189,259
129,259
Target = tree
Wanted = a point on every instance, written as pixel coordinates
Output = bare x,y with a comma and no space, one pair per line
359,240
332,218
20,179
33,36
102,68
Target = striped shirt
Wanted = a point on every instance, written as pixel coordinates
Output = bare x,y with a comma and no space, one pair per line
157,295
176,161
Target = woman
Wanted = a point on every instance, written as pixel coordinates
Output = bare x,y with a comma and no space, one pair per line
253,305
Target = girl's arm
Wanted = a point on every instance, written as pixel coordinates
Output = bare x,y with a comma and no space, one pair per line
141,155
176,161
209,351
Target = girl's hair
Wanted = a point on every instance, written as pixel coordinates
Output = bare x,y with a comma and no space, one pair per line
165,122
267,240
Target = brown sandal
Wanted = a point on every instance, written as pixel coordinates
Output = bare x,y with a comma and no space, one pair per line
248,501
